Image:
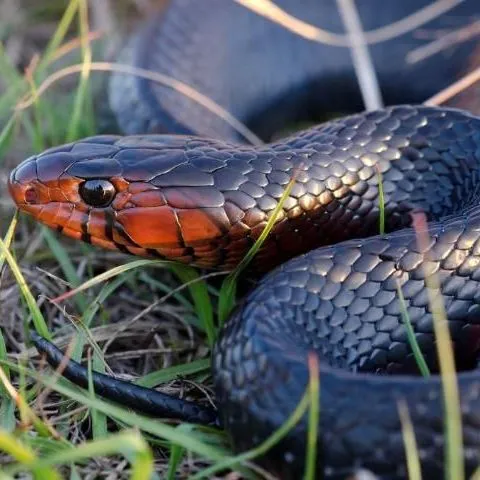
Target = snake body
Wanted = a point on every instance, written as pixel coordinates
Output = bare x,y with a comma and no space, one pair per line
204,201
339,301
269,77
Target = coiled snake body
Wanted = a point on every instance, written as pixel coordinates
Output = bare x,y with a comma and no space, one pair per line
205,201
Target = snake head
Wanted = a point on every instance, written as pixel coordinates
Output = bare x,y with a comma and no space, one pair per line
137,194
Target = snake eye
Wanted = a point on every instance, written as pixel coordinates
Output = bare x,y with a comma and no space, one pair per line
97,193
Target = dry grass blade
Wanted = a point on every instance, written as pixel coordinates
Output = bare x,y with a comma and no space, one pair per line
444,42
451,397
454,89
74,44
268,9
411,22
362,61
157,77
411,450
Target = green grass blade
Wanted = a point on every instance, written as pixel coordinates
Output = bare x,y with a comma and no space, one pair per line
123,442
7,135
411,449
9,71
37,132
60,32
5,476
89,314
228,290
412,339
190,441
74,475
45,446
9,237
155,284
3,356
168,374
27,415
82,96
37,316
83,336
113,272
7,414
92,309
66,265
99,420
201,298
176,454
7,409
25,456
476,474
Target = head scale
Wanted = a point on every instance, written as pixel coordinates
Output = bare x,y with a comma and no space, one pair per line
135,194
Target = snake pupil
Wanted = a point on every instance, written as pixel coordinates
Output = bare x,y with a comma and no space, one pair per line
97,193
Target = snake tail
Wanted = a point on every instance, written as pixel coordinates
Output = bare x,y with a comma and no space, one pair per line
144,400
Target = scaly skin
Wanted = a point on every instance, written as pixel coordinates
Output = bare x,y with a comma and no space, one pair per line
204,202
270,78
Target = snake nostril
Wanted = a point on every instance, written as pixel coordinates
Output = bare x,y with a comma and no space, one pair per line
30,195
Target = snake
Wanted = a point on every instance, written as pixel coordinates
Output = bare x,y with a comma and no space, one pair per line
337,289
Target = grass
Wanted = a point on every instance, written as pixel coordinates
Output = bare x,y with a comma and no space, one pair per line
410,443
44,442
451,398
412,340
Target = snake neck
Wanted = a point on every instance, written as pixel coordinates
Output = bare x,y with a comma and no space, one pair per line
206,202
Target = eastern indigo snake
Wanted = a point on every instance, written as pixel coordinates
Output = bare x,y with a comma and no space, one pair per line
204,201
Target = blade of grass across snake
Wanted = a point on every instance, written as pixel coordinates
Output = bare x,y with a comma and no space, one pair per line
452,414
228,290
411,449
